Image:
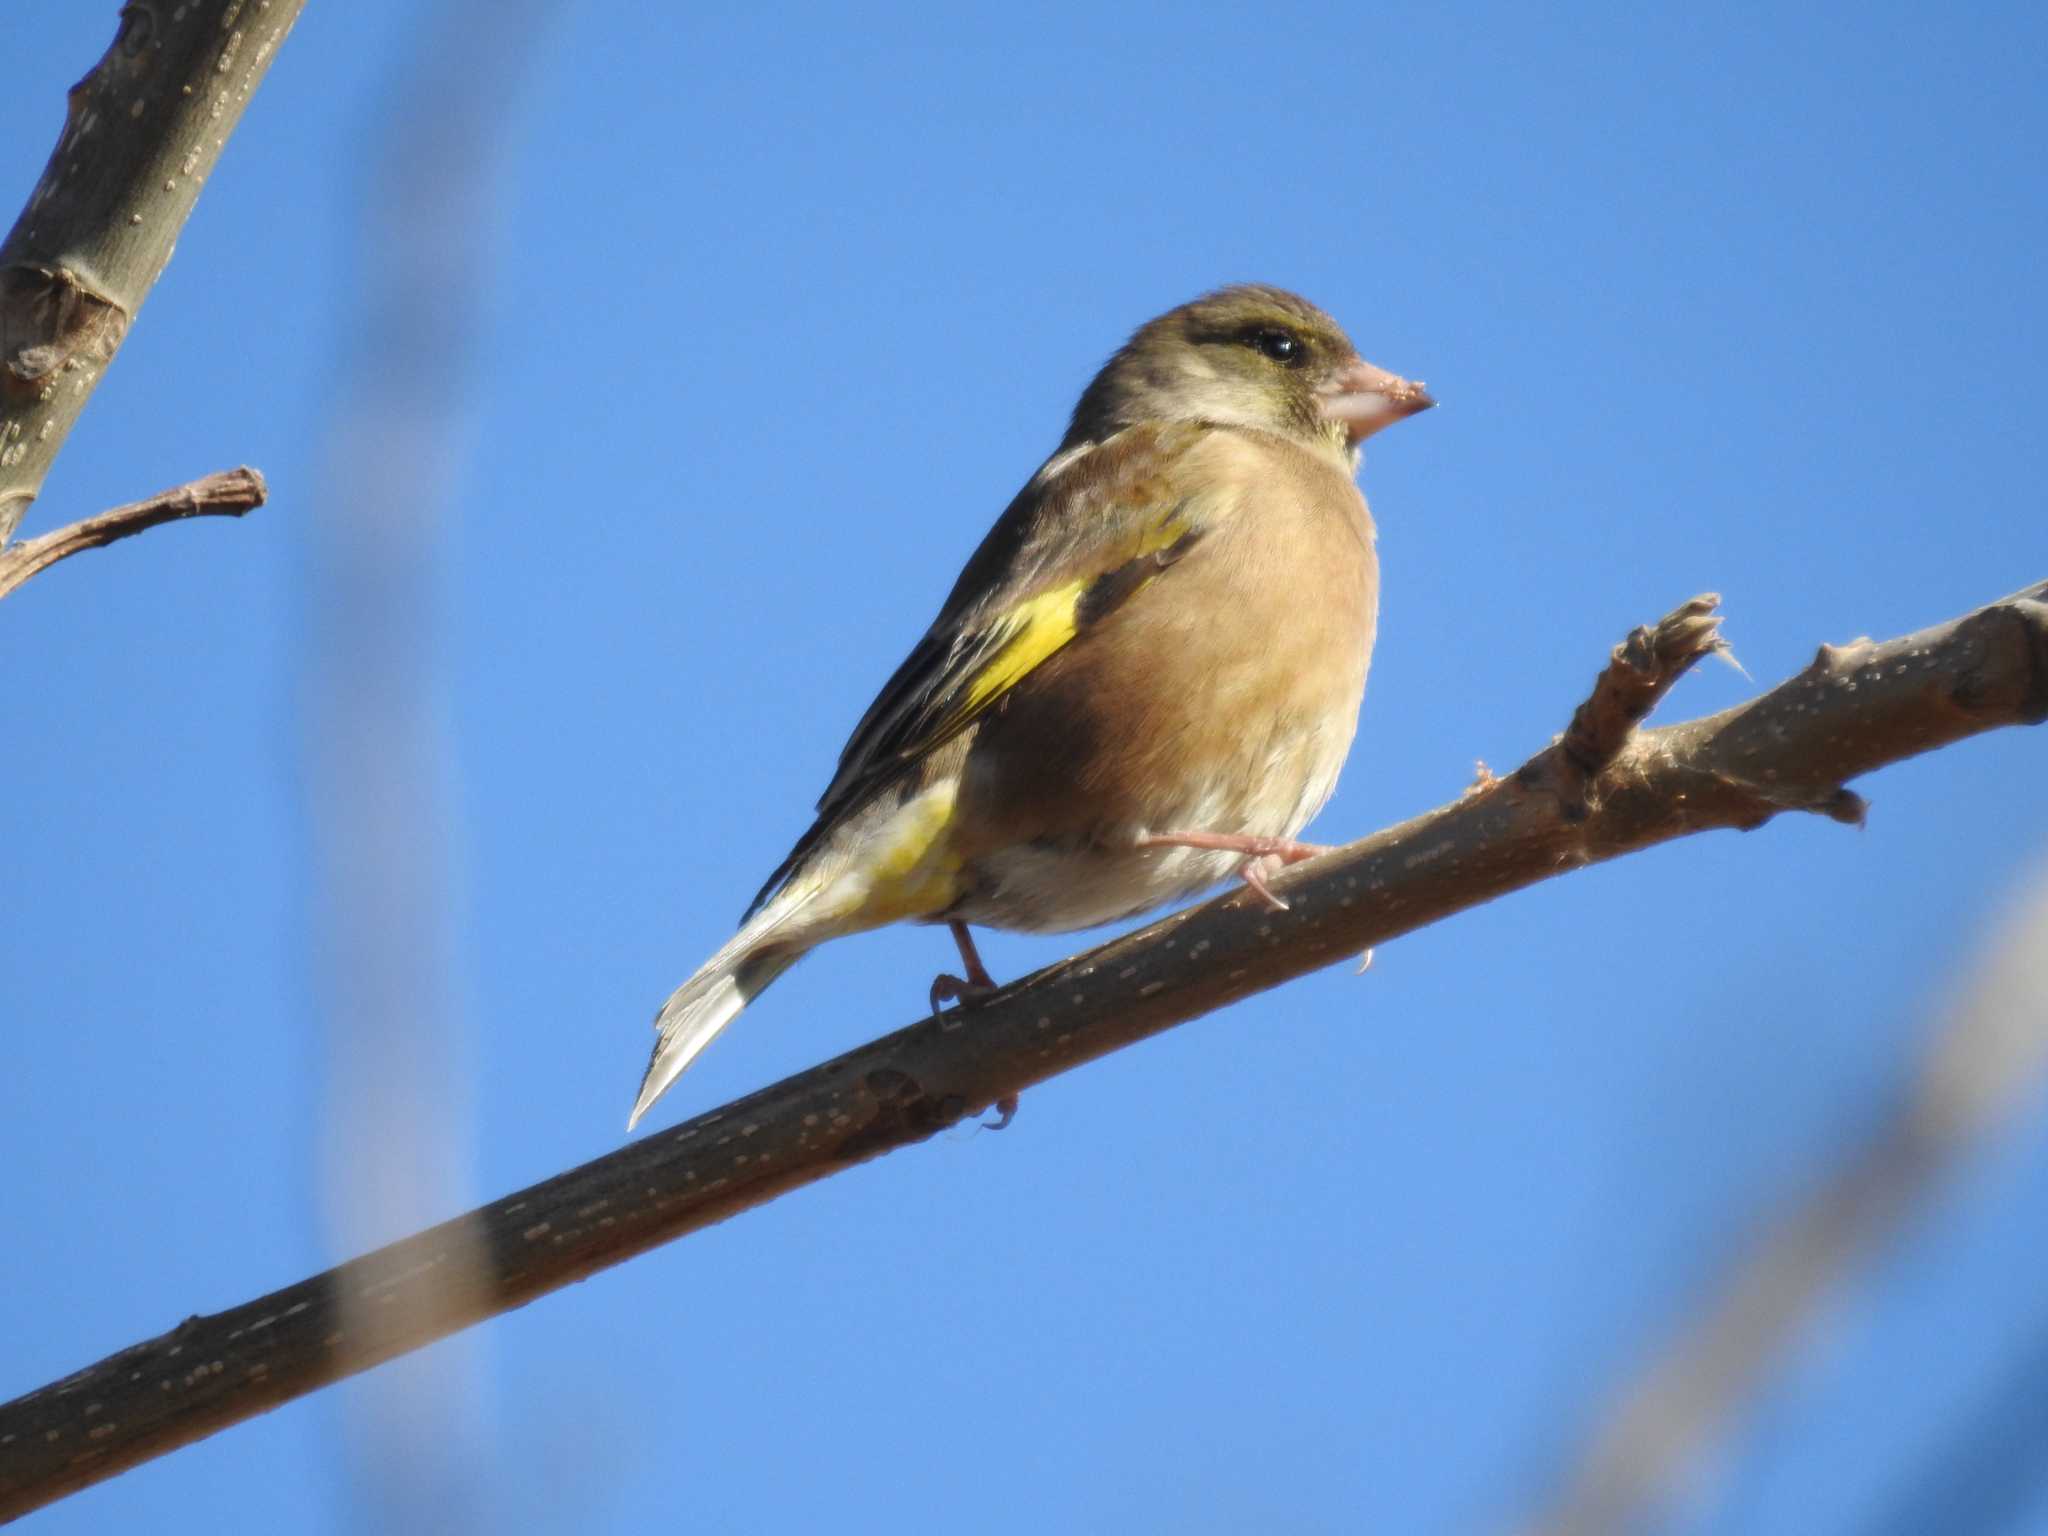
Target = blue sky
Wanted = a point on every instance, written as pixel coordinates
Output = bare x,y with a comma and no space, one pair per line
754,322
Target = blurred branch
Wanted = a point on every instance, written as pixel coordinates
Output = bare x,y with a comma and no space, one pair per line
1989,1057
142,132
229,493
1602,791
395,1128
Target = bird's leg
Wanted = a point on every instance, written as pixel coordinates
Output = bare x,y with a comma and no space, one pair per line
977,983
1286,849
1260,854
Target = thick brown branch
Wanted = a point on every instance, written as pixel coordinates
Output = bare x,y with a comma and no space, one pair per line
1855,709
141,135
229,493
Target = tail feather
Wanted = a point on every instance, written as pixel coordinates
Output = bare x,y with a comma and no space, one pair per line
702,1006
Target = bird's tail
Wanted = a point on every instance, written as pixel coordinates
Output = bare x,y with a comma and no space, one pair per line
697,1010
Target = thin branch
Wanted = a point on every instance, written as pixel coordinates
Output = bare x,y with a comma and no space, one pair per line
1856,708
142,132
229,493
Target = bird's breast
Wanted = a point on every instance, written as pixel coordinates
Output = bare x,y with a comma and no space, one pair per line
1221,698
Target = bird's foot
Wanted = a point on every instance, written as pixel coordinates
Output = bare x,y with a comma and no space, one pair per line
1262,855
965,990
968,990
1253,872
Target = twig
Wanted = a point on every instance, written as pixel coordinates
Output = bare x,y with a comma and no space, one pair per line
142,133
229,493
1855,709
1642,669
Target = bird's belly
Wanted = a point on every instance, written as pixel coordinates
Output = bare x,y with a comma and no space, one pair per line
1056,883
1218,700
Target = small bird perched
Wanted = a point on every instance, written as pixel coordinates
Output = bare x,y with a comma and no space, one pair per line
1146,678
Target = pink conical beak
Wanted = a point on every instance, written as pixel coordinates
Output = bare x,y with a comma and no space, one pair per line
1365,398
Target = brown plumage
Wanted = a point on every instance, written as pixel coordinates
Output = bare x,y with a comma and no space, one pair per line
1220,699
1146,678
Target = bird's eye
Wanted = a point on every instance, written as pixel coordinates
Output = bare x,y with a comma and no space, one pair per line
1281,346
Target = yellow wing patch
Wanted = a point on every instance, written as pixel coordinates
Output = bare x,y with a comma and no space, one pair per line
1032,631
1035,629
970,659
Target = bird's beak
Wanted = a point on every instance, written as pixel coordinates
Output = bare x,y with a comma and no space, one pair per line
1364,399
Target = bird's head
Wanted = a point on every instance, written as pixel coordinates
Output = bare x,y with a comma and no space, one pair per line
1247,356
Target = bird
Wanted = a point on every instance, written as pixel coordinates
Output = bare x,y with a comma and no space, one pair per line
1144,681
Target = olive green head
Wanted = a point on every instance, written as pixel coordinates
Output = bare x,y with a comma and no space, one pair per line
1246,356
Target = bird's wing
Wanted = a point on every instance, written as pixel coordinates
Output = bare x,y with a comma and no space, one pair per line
1071,549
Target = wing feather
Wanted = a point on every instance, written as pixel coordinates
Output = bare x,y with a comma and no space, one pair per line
1027,593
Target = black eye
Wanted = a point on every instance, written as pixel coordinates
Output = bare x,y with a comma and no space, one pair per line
1281,346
